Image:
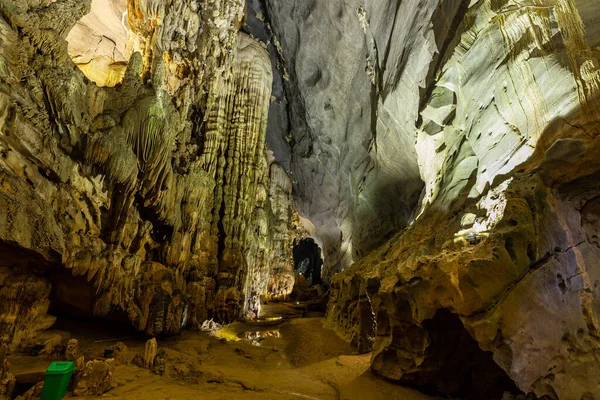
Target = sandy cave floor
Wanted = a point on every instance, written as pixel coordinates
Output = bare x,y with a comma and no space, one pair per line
295,359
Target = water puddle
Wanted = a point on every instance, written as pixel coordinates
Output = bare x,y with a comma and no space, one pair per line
261,337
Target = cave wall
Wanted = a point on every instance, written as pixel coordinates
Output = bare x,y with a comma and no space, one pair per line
505,233
99,42
149,189
448,149
357,74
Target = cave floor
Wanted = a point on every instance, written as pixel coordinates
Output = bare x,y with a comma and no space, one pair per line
295,358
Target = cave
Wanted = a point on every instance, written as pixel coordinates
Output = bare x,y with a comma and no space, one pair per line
308,261
454,365
70,295
73,299
400,195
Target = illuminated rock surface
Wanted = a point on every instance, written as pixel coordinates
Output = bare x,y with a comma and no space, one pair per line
505,237
98,43
145,190
159,161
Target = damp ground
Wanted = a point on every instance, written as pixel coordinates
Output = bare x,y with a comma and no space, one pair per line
288,354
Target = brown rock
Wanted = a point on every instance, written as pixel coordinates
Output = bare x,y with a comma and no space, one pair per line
120,351
138,360
160,362
24,302
71,349
80,363
34,393
150,353
95,379
7,379
54,346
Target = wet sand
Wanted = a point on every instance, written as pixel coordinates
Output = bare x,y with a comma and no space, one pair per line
297,359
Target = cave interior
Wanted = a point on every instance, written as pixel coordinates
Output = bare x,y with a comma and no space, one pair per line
284,199
308,260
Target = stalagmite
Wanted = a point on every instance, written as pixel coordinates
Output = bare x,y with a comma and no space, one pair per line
150,353
71,349
233,155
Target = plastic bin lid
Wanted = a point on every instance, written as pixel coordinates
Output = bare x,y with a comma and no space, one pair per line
60,367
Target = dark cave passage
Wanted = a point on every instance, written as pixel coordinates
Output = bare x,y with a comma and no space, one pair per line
456,366
70,294
308,261
72,303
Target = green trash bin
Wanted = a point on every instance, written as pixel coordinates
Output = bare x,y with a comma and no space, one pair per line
57,380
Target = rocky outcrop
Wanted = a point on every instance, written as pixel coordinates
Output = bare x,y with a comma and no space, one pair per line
98,43
7,379
24,302
93,378
270,274
146,189
504,236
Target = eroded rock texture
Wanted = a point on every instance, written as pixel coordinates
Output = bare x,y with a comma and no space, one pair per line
94,377
271,271
505,237
148,189
354,70
7,379
448,148
98,43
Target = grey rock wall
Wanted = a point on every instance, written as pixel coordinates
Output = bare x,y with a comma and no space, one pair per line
506,138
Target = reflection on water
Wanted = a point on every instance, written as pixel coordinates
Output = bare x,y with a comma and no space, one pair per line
256,337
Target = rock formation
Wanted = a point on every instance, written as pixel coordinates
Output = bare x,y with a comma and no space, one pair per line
146,189
7,379
150,353
158,159
504,235
93,378
71,349
356,172
24,302
270,268
98,43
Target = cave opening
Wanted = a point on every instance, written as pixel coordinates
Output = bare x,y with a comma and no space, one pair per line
72,300
308,261
456,366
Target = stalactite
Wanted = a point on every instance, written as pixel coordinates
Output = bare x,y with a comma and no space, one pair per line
259,253
150,208
233,153
281,278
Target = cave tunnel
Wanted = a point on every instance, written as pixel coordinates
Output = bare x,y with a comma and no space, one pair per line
456,366
72,301
308,260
